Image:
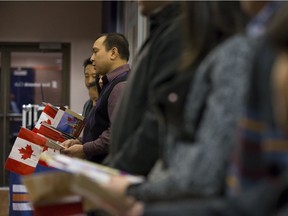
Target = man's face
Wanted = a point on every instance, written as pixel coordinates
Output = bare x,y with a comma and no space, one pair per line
100,57
90,75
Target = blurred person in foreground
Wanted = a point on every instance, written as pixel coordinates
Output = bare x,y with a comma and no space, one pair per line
194,152
209,155
212,123
134,143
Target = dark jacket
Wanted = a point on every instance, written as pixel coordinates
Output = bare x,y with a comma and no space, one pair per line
134,146
87,108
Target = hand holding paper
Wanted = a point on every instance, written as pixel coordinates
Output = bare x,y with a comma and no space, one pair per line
74,151
70,142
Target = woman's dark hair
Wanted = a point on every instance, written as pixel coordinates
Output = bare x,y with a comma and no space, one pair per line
206,24
277,32
117,40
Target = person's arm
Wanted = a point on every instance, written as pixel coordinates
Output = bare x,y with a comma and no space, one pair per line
259,200
199,168
262,200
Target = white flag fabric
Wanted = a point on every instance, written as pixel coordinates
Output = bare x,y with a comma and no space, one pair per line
47,115
47,151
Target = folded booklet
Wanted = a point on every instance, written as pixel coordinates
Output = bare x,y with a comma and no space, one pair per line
54,144
50,194
60,123
98,194
52,133
97,172
68,122
49,190
91,181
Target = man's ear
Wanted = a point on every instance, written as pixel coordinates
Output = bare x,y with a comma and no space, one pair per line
114,53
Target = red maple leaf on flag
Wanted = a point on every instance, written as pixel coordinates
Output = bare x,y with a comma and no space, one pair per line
26,152
46,149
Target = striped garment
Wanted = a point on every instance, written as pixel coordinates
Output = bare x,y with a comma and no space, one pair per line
262,154
262,151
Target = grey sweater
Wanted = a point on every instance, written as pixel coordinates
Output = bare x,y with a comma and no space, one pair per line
198,168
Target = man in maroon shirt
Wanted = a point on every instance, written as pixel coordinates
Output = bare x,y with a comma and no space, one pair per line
110,56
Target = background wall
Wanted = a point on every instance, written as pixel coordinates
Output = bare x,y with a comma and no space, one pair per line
71,22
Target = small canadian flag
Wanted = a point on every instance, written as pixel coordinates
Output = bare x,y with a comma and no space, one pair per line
47,115
47,132
25,152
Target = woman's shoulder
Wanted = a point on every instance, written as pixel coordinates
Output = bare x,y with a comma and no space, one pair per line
233,47
237,43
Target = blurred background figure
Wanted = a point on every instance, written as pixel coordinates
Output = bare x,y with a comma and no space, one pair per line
13,105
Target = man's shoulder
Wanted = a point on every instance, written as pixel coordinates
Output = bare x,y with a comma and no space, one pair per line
120,86
116,88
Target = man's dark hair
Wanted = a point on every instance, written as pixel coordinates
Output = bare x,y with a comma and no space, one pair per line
219,20
277,33
116,40
87,62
